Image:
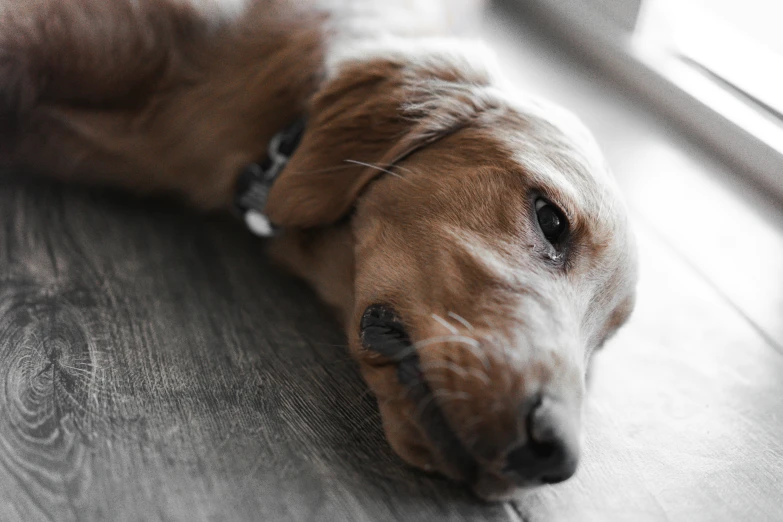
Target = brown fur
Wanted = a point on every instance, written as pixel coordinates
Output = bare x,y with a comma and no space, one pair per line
157,98
151,99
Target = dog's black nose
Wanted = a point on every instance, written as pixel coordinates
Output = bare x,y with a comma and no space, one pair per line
551,452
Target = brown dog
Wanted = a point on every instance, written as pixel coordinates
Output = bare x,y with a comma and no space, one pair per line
470,237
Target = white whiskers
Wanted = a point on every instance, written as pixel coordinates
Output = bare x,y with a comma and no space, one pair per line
470,344
462,320
449,326
463,373
379,169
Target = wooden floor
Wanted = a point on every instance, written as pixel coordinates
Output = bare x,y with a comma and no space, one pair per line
154,366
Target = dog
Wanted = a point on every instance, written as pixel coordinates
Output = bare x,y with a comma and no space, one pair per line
469,237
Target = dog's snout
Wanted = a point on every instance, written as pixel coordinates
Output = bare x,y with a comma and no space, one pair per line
492,424
550,452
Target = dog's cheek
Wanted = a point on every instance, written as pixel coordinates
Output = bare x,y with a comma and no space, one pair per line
404,436
397,412
380,375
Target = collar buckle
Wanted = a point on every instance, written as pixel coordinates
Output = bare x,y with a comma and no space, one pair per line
256,180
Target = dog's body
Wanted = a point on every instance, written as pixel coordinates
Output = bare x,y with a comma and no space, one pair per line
468,236
170,95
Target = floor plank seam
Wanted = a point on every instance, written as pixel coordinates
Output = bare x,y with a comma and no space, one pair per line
515,513
771,341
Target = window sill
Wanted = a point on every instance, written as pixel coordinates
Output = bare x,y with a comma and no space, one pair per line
734,127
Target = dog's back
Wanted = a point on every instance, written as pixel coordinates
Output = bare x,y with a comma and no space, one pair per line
174,95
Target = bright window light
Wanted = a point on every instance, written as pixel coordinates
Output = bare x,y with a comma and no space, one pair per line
737,42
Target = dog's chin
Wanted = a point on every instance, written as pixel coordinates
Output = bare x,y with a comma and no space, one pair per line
487,485
491,487
413,442
432,434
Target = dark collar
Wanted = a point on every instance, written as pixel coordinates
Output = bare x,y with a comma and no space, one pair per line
256,180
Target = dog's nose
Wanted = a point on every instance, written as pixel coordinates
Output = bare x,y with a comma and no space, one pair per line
551,452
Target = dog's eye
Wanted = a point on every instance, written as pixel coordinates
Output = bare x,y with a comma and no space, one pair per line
551,220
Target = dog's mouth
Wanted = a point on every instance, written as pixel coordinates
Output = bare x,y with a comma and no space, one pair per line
383,332
504,458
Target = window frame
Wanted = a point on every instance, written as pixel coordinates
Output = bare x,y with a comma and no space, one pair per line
729,124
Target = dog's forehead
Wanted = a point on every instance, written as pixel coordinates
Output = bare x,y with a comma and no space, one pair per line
558,156
557,151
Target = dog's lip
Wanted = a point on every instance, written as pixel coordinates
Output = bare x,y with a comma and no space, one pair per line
487,482
433,422
499,487
383,332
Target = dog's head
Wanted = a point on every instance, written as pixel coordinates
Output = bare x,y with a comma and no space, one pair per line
488,255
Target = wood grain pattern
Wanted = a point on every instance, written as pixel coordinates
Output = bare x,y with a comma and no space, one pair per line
155,367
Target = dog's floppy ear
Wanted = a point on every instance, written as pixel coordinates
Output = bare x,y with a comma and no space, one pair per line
371,113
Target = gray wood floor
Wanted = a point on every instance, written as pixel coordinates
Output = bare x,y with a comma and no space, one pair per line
154,366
